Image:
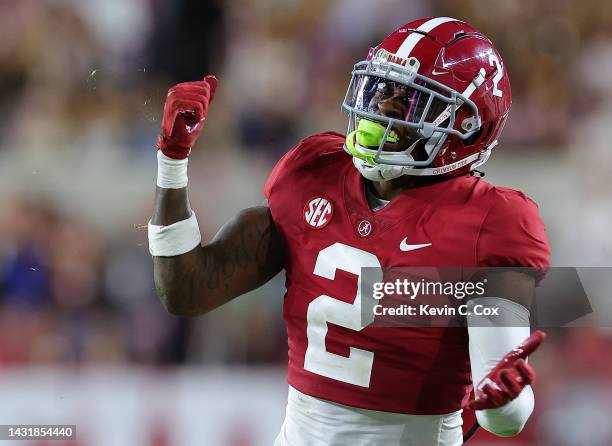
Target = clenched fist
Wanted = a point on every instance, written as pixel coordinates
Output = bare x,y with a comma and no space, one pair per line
184,114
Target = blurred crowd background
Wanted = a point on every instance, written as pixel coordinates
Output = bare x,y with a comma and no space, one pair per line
82,85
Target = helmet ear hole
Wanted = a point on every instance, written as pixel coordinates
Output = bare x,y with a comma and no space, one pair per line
479,136
475,137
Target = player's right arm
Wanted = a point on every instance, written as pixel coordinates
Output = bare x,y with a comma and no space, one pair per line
192,279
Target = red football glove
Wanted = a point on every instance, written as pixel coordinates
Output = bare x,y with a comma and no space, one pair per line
184,114
506,381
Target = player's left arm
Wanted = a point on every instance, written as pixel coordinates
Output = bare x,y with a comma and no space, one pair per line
513,235
504,399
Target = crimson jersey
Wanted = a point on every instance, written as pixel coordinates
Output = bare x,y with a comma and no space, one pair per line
318,203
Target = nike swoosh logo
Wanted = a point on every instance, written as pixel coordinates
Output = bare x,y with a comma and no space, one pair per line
406,247
437,73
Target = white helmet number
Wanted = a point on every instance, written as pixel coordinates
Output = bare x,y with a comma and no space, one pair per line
494,61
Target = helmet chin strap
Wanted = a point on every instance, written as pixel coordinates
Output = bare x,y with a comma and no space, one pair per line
378,172
385,172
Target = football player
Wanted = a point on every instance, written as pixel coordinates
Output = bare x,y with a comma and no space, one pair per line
425,109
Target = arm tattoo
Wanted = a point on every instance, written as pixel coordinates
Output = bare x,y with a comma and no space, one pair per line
222,262
244,254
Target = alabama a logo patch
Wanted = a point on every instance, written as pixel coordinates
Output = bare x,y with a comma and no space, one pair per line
364,228
318,212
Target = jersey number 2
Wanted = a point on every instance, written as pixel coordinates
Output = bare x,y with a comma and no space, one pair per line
357,367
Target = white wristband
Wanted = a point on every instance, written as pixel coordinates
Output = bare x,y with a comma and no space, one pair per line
171,173
175,239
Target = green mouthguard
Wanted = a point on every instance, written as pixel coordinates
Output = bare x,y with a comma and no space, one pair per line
368,134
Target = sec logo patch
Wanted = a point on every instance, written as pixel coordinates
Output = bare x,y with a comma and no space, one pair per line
318,212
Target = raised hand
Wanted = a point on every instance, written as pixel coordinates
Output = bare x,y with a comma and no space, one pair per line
184,114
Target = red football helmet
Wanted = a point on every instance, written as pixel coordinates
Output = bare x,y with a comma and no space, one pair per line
455,93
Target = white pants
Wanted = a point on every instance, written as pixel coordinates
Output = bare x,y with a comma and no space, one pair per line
311,421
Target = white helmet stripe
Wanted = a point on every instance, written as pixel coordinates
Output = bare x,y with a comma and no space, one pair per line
410,42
